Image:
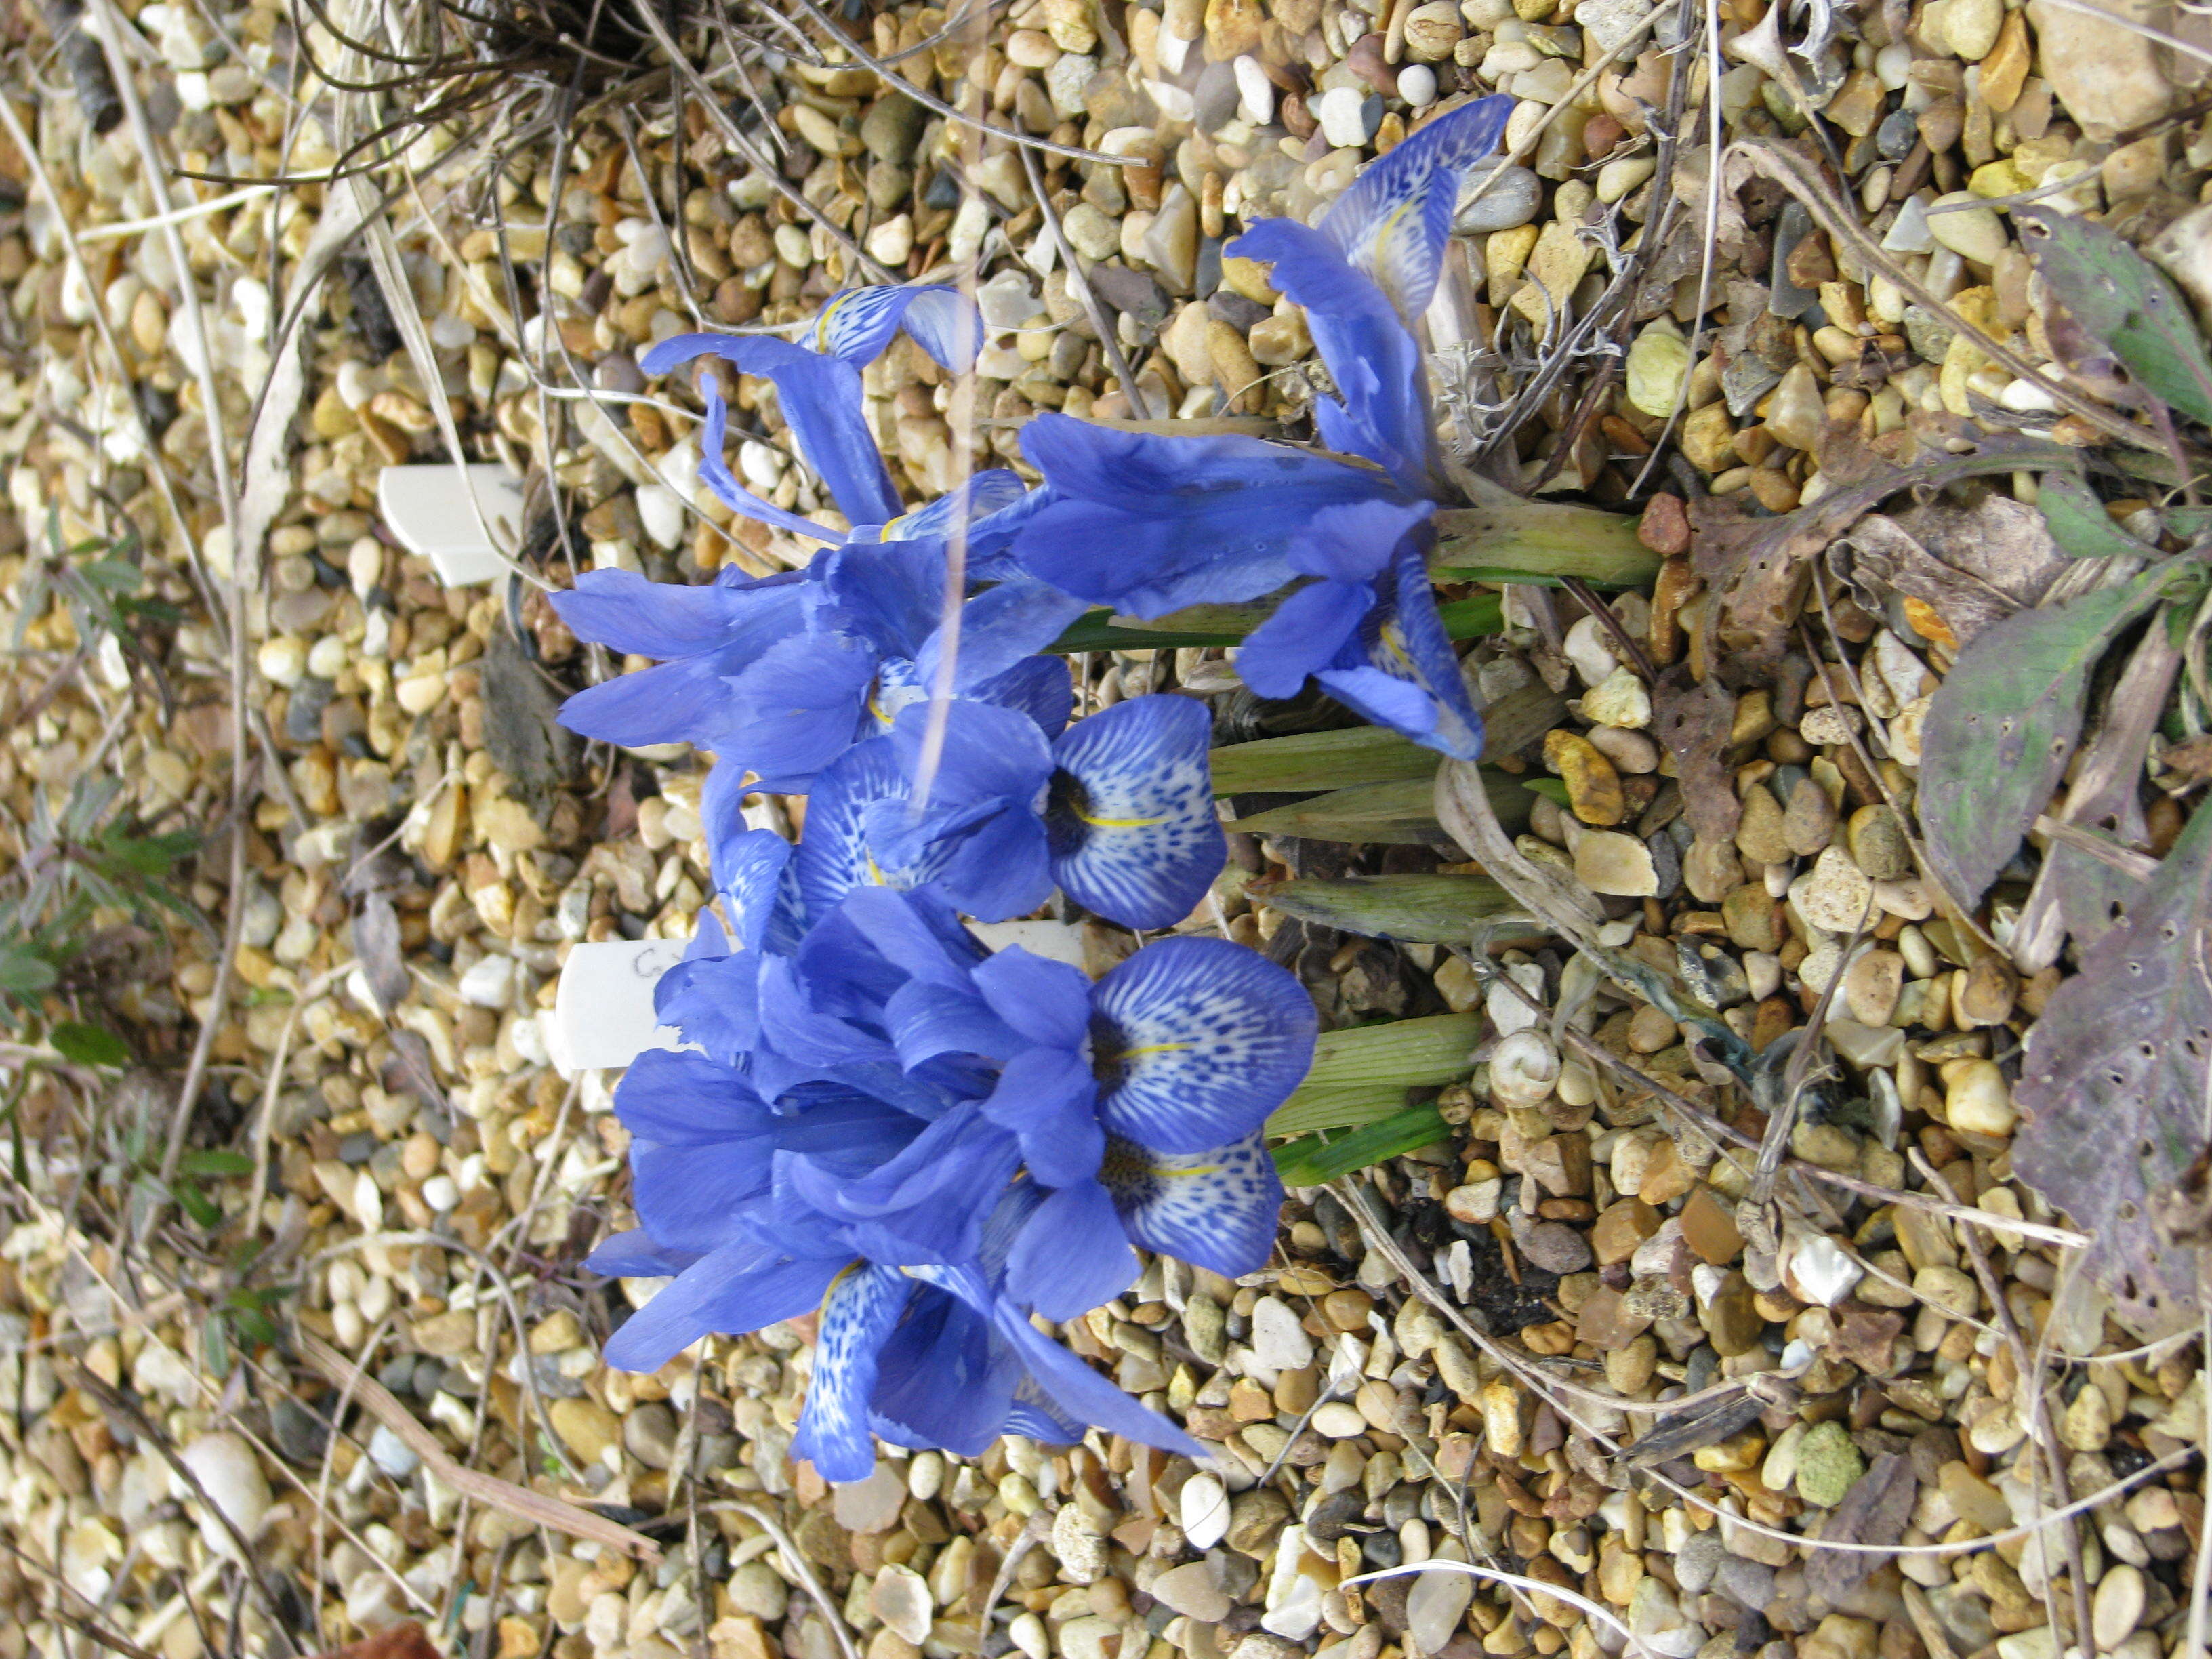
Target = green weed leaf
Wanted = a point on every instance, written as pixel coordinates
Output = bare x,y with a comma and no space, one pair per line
2125,302
89,1045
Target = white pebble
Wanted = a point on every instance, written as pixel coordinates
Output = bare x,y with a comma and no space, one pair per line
1417,85
1255,92
228,1472
391,1454
1204,1511
1342,113
488,983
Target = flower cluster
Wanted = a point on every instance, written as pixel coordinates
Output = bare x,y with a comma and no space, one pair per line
873,1116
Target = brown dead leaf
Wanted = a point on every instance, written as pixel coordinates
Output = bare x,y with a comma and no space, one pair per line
1882,557
1693,721
376,943
1874,1512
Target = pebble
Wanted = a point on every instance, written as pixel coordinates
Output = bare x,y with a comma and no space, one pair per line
1434,1608
1977,1099
1344,112
229,1473
1828,1465
1193,1589
1972,232
1279,1342
1493,198
1203,1510
1834,895
1606,861
2118,1606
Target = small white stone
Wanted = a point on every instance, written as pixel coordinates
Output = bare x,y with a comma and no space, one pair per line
391,1454
1608,861
1820,1271
2118,1606
1255,92
1417,85
1279,1342
901,1599
1342,113
229,1472
488,983
439,1192
1587,648
1203,1509
282,660
661,513
1834,896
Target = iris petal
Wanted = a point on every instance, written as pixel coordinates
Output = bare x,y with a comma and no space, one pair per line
740,1287
714,471
1200,1039
794,710
945,1379
1375,362
634,1254
624,611
1072,1256
1303,637
1047,1100
857,323
1131,820
1047,1002
1150,524
1216,1208
820,397
858,1316
1393,221
1404,638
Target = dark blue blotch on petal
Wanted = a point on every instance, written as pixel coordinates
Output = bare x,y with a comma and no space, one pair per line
1217,1209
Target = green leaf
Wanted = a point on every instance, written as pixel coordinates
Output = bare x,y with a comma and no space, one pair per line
1319,760
217,1164
1310,1160
2080,525
198,1205
1503,538
24,971
111,575
89,1045
1362,1073
1474,618
1400,814
1554,790
2000,729
2125,302
1417,910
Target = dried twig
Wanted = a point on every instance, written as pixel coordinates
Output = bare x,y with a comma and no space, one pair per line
534,1507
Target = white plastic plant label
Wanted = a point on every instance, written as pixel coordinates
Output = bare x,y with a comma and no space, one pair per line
429,509
602,1013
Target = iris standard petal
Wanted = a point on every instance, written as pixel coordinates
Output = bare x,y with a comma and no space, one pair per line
1303,637
891,593
1039,687
700,1197
1047,1002
714,471
1072,1256
794,710
1069,1388
820,397
1375,361
857,324
713,1002
1000,868
740,1287
1046,1099
634,1254
998,629
624,611
679,702
1195,1040
1150,524
1216,1208
1130,813
682,1099
1393,221
1405,639
858,1316
927,1020
945,1378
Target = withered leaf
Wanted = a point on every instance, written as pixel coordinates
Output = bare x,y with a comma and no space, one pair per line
2111,1087
1885,559
376,943
1693,721
1997,540
1874,1512
2000,729
1679,1436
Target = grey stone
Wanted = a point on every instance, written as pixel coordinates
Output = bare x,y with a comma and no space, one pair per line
649,1434
1510,201
892,127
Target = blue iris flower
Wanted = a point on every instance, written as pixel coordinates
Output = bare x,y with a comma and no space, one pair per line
1118,811
1139,1100
1151,525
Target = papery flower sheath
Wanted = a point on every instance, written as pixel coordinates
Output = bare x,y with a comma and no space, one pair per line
1118,811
